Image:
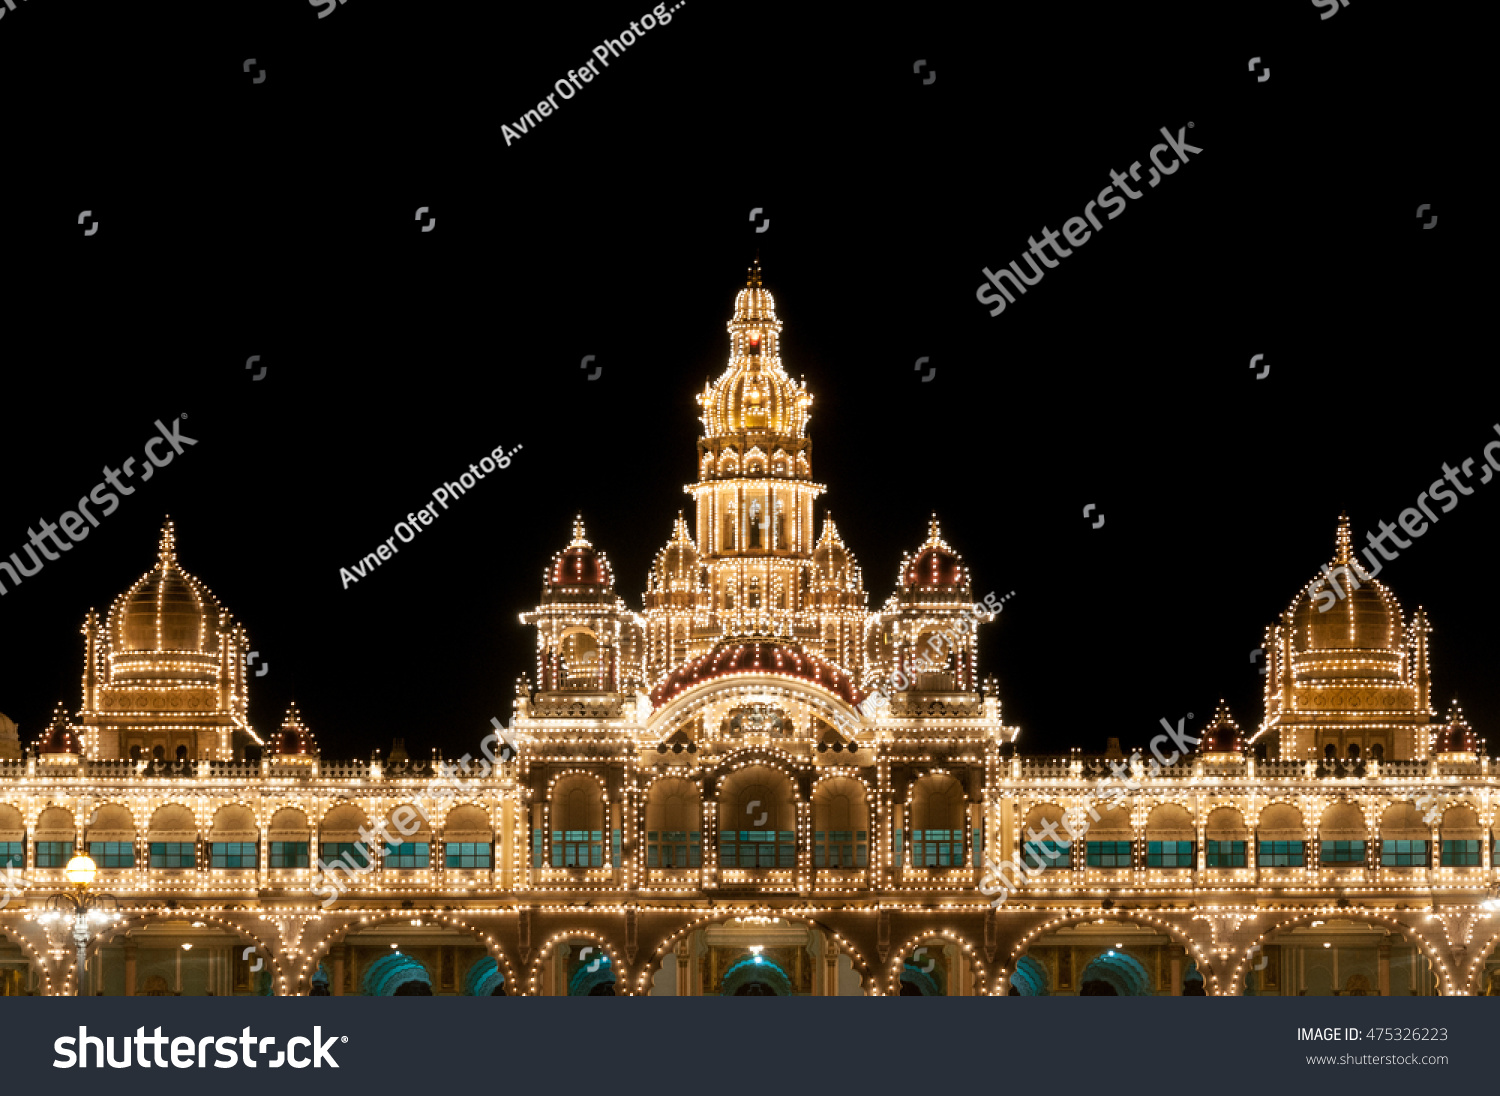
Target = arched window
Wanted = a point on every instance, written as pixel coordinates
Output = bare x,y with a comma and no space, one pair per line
1169,838
1342,836
181,753
674,832
1280,833
937,823
233,838
757,820
577,823
840,824
1354,750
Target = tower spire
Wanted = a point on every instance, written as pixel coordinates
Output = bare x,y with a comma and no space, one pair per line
166,549
1343,552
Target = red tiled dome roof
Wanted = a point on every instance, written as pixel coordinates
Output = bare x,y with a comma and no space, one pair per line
755,656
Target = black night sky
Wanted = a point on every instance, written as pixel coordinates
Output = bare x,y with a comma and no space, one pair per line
277,220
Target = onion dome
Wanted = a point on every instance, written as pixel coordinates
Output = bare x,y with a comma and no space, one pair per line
59,739
755,395
676,566
833,563
294,739
1222,735
579,567
1456,739
762,657
1343,612
166,611
935,565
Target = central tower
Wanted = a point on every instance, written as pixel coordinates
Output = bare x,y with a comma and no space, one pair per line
754,495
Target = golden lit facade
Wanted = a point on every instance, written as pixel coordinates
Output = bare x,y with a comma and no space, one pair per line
706,797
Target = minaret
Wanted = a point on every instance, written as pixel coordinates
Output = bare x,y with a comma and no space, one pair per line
754,495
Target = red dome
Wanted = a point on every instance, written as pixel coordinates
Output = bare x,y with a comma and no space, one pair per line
580,566
294,739
755,656
1222,735
1456,738
59,737
935,567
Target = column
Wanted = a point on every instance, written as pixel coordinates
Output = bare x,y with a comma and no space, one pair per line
1177,953
684,953
336,975
130,968
1383,965
830,967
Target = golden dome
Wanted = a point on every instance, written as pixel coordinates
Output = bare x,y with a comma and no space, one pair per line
832,561
676,566
1327,628
166,612
754,395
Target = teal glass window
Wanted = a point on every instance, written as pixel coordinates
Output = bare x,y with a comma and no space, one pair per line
352,852
174,854
53,854
674,849
469,854
1109,854
232,854
1226,854
1403,854
757,849
1460,854
937,848
840,849
112,854
1343,852
288,854
1281,854
1169,854
407,855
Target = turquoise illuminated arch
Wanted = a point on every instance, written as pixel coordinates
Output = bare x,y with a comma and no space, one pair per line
484,978
390,972
584,980
1030,979
756,968
1124,972
929,982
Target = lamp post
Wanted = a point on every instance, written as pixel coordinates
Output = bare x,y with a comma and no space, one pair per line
82,905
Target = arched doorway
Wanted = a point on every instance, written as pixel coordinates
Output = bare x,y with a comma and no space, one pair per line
1029,980
1106,957
396,975
756,976
1340,957
1115,974
485,979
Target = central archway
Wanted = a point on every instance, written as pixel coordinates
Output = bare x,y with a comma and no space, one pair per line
396,975
1115,974
756,976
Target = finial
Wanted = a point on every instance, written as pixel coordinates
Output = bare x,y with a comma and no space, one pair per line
578,537
933,532
166,549
1344,552
753,281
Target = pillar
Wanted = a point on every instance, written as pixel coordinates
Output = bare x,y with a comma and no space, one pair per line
130,968
830,967
336,975
1383,965
1177,953
684,953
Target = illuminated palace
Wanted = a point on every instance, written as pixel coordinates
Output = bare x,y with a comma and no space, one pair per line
754,785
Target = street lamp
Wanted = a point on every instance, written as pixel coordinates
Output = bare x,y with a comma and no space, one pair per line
82,905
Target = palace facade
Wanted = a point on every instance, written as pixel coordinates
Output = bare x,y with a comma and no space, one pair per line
754,785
